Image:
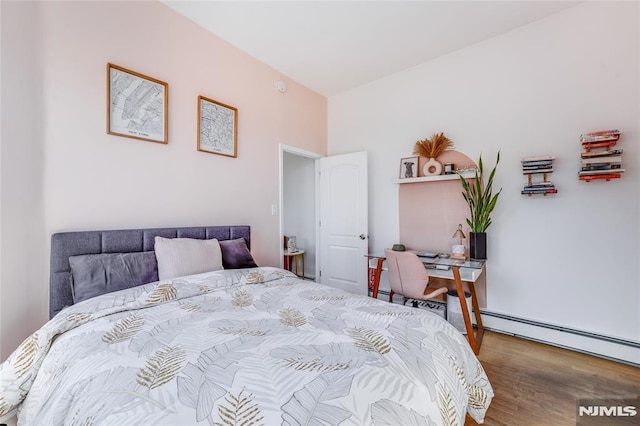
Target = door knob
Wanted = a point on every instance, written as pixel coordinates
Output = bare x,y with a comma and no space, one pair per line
363,237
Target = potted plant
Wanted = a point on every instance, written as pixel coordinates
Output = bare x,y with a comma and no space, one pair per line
481,203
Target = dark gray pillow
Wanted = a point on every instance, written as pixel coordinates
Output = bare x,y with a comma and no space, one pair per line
236,255
96,274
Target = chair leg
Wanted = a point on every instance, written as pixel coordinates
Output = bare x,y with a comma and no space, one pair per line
391,296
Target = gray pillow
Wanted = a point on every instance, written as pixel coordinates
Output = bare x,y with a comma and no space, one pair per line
96,274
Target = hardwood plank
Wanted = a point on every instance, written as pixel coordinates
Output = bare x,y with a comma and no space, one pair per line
538,384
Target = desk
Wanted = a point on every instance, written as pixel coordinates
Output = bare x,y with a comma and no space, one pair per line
461,270
296,256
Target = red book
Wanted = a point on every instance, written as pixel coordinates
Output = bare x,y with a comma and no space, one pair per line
598,144
607,177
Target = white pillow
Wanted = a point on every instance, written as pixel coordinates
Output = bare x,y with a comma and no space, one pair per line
178,257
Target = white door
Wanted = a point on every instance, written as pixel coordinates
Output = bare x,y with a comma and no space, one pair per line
344,222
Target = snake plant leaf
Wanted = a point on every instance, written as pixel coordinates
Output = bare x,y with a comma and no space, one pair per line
481,201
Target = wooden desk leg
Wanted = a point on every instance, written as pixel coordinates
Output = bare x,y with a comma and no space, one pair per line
465,312
476,309
302,256
376,277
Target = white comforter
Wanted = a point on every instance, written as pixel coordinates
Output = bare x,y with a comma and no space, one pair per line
254,346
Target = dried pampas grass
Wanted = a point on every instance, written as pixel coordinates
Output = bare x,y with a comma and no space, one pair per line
433,146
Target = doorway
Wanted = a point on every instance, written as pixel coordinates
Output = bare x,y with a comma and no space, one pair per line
298,201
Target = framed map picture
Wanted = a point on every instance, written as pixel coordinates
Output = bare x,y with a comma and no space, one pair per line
217,127
137,105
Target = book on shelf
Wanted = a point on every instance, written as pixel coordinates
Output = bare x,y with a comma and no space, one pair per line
607,153
596,139
535,168
537,191
536,163
602,167
529,172
548,191
600,136
541,158
598,144
607,159
594,177
539,185
604,132
600,172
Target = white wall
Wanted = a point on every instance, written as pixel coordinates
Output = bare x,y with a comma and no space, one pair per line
299,206
22,247
570,259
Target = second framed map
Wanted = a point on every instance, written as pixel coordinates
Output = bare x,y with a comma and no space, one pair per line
137,105
217,127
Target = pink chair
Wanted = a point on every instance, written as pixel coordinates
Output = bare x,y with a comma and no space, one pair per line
408,276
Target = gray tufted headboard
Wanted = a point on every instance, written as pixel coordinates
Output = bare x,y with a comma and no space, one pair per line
67,244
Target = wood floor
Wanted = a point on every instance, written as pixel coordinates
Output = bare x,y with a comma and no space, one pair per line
537,384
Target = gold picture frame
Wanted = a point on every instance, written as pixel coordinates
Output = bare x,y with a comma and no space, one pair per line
137,105
217,128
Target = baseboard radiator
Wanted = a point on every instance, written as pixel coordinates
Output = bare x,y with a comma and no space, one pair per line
612,348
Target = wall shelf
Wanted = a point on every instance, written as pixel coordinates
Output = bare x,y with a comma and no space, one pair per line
437,178
535,166
599,159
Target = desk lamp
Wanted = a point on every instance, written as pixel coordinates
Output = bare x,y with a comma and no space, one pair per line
457,251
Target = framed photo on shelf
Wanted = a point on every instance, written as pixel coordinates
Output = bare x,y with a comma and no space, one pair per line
409,167
137,105
217,127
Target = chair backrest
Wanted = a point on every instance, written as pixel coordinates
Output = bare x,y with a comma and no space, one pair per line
407,274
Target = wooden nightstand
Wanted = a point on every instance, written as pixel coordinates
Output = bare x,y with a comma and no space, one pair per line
297,257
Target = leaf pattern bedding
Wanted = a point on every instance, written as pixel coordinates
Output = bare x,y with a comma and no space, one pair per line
253,347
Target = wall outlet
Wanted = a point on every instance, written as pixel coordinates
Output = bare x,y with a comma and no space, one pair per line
274,210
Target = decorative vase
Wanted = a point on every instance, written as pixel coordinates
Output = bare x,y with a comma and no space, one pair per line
432,167
478,245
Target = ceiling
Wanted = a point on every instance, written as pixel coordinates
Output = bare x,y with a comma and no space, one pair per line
333,46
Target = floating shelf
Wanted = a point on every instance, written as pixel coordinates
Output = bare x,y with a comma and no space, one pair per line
599,160
534,166
437,178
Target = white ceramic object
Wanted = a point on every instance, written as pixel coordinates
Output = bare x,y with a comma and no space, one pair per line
432,168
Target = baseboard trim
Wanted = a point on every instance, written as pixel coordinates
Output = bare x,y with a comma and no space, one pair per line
608,347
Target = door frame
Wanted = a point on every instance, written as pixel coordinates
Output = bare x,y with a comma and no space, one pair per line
314,156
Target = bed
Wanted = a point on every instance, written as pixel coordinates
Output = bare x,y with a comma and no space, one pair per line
252,345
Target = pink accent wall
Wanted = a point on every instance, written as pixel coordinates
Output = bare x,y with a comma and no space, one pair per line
431,211
91,180
95,180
